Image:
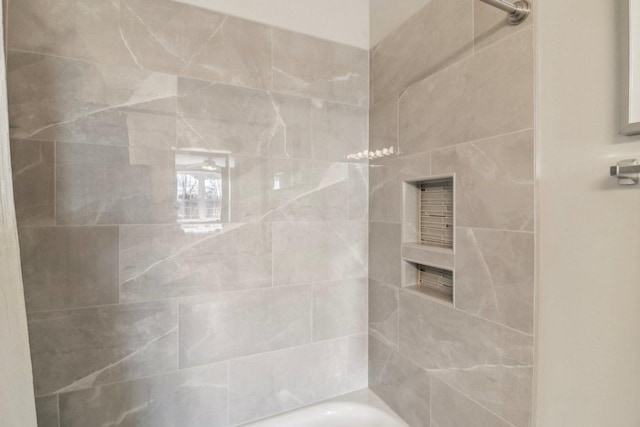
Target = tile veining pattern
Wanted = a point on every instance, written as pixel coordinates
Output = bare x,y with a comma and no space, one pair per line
194,240
452,91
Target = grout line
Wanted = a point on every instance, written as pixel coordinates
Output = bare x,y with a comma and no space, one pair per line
426,297
195,296
344,339
186,77
58,404
474,401
465,57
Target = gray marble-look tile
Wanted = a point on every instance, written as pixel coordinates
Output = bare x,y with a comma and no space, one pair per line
358,348
449,408
47,411
194,398
386,184
339,308
165,261
211,47
487,94
494,181
439,34
358,192
494,276
385,263
307,66
401,384
438,337
114,185
506,390
319,251
338,131
77,349
32,165
65,100
256,122
383,312
267,189
491,24
241,121
237,324
68,267
147,34
276,382
383,125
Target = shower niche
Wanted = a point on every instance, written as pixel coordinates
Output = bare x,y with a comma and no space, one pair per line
429,237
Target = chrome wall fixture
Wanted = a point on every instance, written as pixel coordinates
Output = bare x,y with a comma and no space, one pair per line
627,172
518,11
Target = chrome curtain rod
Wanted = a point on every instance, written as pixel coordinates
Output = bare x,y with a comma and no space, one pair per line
518,12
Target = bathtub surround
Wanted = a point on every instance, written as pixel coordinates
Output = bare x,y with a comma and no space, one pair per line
140,313
452,90
17,406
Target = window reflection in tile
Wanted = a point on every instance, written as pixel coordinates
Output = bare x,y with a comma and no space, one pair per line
202,189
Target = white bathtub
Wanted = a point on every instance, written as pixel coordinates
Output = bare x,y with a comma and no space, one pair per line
359,409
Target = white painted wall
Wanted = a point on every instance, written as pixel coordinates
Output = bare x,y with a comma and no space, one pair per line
17,407
342,21
360,23
589,228
387,15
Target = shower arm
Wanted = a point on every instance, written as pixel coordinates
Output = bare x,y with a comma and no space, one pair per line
518,11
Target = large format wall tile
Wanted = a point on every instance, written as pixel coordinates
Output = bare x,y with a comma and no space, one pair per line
257,122
65,100
275,382
436,336
494,181
319,251
504,390
32,164
307,66
401,384
358,192
383,125
383,312
495,276
338,130
114,185
194,398
385,241
147,34
339,308
449,408
358,348
439,34
487,94
77,349
166,261
231,325
266,189
238,120
211,46
47,411
67,267
482,359
386,182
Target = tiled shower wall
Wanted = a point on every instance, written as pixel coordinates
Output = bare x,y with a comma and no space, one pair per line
140,313
452,92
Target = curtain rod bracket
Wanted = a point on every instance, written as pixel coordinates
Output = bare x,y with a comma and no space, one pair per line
518,12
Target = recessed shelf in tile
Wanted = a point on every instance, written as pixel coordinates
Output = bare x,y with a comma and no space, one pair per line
436,213
429,212
434,282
